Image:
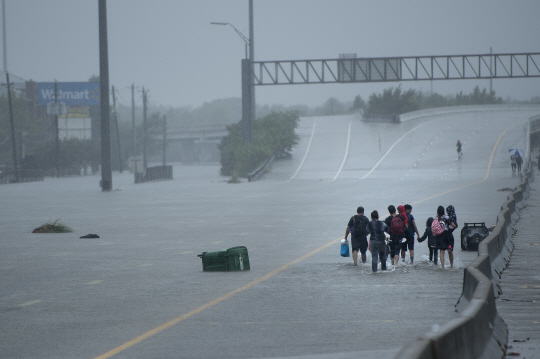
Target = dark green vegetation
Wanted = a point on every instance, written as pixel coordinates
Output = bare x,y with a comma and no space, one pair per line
273,134
395,101
53,227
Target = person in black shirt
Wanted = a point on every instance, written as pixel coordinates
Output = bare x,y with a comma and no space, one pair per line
357,228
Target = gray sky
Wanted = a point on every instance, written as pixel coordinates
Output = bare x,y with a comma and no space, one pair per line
170,48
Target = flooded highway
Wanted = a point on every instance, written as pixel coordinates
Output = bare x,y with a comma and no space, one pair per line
139,291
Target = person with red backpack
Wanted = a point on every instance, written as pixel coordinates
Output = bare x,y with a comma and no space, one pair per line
402,211
397,223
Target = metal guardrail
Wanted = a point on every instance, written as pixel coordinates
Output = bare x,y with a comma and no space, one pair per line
255,175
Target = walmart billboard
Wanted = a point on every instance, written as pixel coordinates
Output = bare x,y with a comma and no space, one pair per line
70,93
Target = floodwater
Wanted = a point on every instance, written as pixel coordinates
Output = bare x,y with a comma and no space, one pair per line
139,291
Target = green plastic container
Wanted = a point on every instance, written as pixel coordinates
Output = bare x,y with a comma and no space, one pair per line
237,258
232,259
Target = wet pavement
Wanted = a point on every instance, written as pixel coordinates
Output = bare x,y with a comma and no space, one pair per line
519,303
139,291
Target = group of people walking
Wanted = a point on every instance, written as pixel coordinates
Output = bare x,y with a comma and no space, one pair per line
395,236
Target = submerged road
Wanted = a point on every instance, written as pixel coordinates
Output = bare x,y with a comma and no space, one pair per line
139,290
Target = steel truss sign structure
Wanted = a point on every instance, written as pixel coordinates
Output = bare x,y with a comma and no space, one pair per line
349,69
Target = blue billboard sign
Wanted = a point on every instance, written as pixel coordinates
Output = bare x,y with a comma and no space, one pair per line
70,93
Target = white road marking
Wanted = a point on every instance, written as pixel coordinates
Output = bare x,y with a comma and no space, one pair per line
390,149
346,152
307,151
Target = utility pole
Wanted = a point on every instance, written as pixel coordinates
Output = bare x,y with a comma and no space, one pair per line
106,170
252,69
145,134
56,130
15,162
490,69
115,115
133,121
4,33
164,140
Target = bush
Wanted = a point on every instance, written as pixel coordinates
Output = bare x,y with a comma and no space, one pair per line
273,134
393,102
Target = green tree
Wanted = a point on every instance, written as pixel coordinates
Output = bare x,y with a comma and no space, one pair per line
24,123
273,134
476,97
393,101
359,104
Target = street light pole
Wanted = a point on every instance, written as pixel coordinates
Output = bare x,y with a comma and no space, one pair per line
242,36
251,59
248,92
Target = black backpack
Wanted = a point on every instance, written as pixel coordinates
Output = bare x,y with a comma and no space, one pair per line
358,228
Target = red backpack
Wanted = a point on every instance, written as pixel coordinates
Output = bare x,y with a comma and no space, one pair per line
396,226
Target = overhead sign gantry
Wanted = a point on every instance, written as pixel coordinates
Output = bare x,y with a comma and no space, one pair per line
350,69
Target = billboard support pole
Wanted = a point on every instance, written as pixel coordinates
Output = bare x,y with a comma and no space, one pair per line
15,161
115,113
56,130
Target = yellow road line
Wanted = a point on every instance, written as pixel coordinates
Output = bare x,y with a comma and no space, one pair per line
473,183
210,304
29,303
94,282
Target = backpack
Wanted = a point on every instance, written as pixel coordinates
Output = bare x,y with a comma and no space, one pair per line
436,227
396,226
358,228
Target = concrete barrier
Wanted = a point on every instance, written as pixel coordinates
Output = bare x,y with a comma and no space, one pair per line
158,173
479,331
439,111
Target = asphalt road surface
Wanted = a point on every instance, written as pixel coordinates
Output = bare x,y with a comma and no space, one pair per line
139,291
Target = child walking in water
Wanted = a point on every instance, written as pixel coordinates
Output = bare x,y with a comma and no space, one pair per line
431,243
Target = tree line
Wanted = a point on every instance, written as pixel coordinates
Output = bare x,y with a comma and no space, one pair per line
35,139
395,101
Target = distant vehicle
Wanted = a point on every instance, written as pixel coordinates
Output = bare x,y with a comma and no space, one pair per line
472,234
